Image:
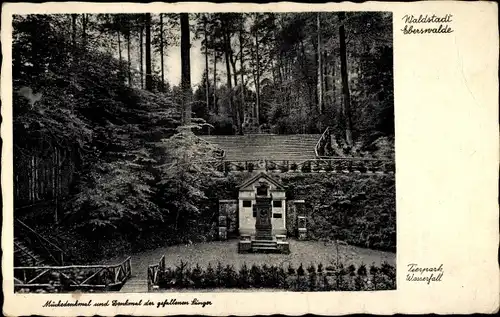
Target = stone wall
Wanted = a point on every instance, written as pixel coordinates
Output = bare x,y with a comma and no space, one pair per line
229,209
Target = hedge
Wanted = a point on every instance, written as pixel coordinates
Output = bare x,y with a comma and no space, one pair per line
302,278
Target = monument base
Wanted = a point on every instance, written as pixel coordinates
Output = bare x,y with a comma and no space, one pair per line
249,244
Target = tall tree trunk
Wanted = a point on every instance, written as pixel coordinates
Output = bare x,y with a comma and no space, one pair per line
119,47
73,29
242,70
186,68
257,79
320,66
84,30
149,76
161,54
141,54
233,60
325,77
254,105
228,74
129,63
236,105
216,107
207,80
345,81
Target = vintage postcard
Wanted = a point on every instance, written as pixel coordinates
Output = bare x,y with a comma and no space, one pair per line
244,159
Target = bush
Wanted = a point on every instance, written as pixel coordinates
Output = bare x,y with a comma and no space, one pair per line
284,168
311,278
306,167
250,167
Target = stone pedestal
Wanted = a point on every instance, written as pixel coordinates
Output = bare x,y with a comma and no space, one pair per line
302,234
283,247
222,233
244,246
302,229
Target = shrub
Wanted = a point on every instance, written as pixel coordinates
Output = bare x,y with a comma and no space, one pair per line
244,276
196,276
306,167
329,167
294,166
219,275
269,276
210,278
230,277
255,276
284,168
250,167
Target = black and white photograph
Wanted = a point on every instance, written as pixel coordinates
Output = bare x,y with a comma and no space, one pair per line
203,152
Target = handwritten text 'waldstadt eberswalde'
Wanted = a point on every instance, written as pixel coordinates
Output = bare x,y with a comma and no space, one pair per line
427,24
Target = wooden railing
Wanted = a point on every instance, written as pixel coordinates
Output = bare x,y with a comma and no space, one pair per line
324,145
73,277
41,245
154,273
323,164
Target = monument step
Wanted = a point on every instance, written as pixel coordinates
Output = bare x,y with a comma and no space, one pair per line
264,238
272,244
264,242
265,248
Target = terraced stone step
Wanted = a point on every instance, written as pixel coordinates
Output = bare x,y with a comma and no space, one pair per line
266,146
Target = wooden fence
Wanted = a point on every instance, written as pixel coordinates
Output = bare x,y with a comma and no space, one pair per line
154,273
74,277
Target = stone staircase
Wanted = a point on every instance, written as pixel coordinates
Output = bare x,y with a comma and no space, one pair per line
266,146
259,245
24,256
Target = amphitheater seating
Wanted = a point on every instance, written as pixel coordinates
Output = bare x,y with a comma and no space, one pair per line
266,146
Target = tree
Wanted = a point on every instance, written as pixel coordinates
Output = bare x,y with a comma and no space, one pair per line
345,81
207,80
161,52
149,76
141,49
227,49
186,68
320,65
242,65
73,28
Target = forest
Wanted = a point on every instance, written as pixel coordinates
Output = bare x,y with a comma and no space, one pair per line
105,145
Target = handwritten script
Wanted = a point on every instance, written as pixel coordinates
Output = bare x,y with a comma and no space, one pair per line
417,273
432,24
116,303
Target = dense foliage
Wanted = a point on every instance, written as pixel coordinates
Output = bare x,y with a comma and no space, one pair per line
357,209
134,171
302,279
